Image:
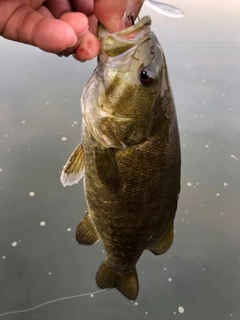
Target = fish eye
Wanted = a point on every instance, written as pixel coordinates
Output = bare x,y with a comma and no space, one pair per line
147,75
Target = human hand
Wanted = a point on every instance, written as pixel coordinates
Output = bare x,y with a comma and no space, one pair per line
60,26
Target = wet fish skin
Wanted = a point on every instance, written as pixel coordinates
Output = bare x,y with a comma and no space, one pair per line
131,156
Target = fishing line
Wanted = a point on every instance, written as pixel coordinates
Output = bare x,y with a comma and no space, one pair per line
51,301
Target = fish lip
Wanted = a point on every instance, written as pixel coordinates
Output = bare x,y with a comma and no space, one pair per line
145,21
114,44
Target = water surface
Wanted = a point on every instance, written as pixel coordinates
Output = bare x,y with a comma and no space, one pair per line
40,125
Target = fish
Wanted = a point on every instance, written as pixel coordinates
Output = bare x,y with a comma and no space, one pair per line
129,156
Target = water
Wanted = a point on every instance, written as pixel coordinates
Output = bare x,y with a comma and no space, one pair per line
40,125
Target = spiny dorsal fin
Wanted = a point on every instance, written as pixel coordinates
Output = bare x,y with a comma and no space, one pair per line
86,232
73,170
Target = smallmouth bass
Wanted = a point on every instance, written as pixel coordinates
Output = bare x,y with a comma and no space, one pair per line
129,156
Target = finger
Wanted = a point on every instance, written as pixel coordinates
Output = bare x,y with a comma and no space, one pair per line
83,6
29,26
54,35
8,8
93,24
58,7
78,22
73,19
110,13
45,12
133,7
88,48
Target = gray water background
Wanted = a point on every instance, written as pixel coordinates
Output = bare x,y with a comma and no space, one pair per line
39,105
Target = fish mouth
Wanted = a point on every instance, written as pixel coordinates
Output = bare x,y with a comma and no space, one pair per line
114,44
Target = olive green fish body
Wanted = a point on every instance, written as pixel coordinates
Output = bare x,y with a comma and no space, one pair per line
129,155
132,194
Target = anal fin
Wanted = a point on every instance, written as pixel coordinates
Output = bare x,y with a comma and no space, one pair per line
164,243
73,170
86,232
127,284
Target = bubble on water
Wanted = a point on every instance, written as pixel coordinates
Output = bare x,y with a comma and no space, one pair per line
174,312
31,194
42,223
14,244
189,184
234,157
64,139
3,257
49,273
23,121
69,229
47,103
92,295
0,169
217,194
181,309
206,146
136,303
75,122
146,312
165,268
225,184
169,279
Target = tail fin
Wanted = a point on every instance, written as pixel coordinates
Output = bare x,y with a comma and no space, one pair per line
127,284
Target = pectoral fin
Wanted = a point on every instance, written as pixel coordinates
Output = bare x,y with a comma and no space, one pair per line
73,170
86,232
164,243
